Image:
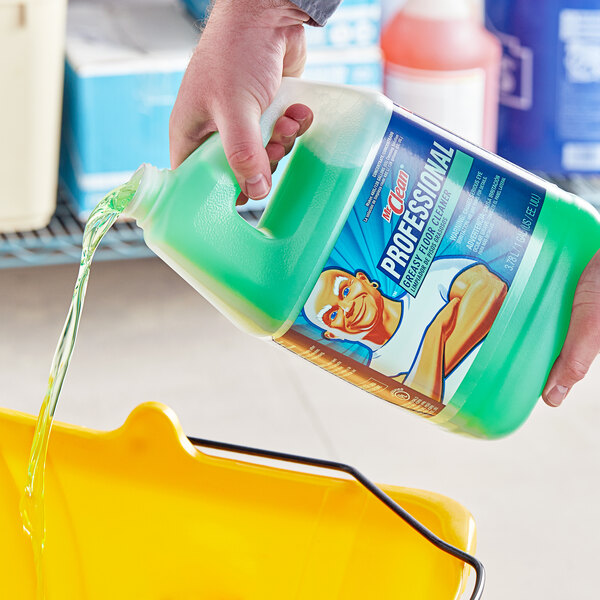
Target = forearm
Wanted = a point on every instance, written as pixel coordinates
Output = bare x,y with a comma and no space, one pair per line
477,310
427,375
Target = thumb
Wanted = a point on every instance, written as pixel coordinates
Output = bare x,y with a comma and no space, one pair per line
239,127
583,338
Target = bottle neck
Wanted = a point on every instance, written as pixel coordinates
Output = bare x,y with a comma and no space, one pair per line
148,190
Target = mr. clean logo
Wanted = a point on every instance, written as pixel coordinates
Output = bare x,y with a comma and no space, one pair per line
395,200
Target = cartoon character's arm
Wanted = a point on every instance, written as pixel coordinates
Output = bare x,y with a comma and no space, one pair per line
427,374
480,294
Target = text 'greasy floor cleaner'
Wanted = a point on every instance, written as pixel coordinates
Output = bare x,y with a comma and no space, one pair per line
395,255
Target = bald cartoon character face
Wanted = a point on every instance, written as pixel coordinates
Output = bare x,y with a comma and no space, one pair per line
345,306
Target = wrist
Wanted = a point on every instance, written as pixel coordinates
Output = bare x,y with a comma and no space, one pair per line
276,13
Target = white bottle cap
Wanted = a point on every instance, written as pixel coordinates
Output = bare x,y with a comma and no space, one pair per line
439,10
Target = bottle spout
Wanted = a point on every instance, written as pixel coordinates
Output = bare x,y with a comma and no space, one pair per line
143,186
122,196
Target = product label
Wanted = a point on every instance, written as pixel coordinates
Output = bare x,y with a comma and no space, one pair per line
454,100
420,269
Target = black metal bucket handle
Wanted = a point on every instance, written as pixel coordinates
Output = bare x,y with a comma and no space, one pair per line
371,487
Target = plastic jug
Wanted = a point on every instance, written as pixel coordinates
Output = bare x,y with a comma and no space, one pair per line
394,254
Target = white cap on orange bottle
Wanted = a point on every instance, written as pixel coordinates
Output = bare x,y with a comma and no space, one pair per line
439,10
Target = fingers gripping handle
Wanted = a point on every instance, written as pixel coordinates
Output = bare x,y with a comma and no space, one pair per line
346,119
291,91
282,217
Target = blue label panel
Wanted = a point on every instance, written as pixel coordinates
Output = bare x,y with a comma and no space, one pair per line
420,269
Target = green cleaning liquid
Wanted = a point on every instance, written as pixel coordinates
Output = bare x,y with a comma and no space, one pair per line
32,501
393,254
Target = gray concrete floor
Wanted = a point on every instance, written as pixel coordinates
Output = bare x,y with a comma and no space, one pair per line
146,335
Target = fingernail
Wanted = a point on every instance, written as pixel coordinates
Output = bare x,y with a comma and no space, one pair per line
556,395
257,186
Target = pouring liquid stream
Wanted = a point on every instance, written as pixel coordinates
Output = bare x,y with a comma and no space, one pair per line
32,500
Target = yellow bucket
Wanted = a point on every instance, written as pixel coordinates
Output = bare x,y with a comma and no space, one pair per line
141,512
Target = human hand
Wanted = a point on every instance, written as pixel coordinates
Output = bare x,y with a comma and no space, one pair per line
233,76
582,344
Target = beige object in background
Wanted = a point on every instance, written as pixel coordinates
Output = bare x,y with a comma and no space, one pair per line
32,34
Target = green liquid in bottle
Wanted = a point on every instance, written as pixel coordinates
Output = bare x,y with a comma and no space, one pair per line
257,276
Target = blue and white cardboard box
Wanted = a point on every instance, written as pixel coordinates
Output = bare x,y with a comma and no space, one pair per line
356,24
121,80
353,67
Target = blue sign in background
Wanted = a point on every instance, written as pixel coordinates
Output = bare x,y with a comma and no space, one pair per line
550,84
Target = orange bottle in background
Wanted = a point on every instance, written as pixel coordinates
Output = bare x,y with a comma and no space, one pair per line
442,64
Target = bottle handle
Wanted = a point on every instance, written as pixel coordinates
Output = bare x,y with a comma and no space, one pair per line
334,143
281,217
291,91
343,118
